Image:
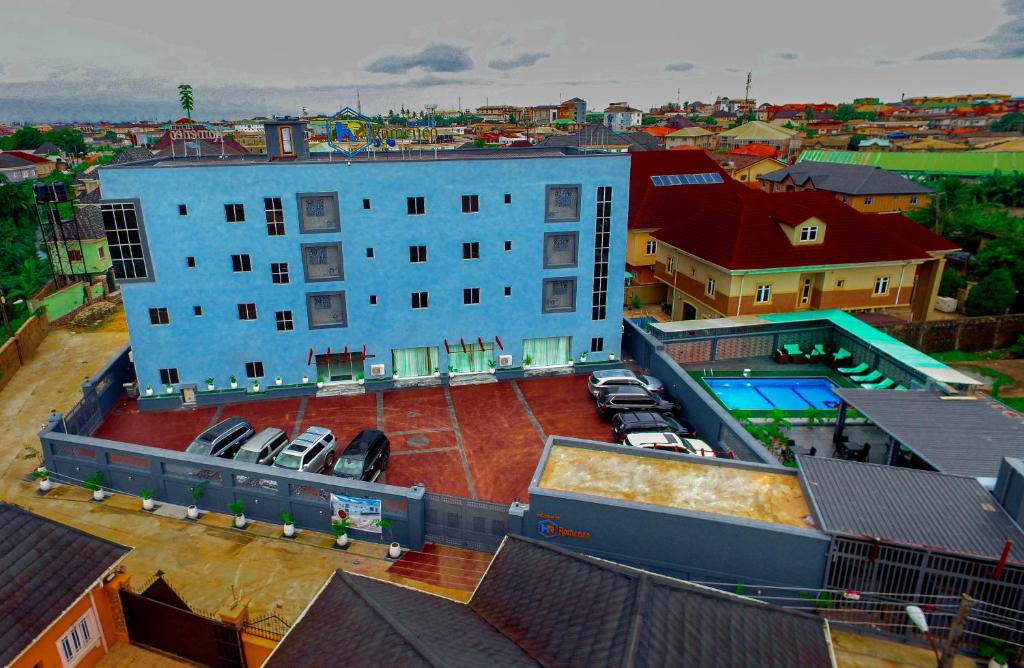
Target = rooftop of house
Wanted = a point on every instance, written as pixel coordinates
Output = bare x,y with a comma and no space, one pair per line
11,160
758,130
691,131
958,163
736,161
28,156
44,568
621,108
543,605
847,179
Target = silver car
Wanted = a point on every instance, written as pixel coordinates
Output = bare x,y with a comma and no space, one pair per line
600,380
263,448
314,450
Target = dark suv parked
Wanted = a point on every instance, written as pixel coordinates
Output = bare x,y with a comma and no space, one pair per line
630,398
647,422
222,439
366,457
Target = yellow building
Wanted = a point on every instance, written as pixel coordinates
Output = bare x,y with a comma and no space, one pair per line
747,168
867,189
694,136
254,142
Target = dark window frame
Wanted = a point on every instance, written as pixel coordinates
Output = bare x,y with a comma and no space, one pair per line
279,273
169,376
273,208
471,296
248,312
254,369
284,320
420,300
416,205
159,315
470,250
241,263
471,204
415,255
234,213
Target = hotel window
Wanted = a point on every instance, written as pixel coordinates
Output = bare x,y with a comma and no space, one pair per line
597,344
240,263
420,300
508,245
159,316
286,140
169,376
763,295
841,283
652,247
326,309
710,289
562,204
417,254
508,198
323,262
285,321
275,216
373,300
125,241
415,206
190,261
508,290
182,210
470,204
234,213
805,292
868,200
197,311
254,369
369,253
471,296
559,295
318,212
560,249
247,311
882,285
279,272
809,233
471,250
913,199
366,204
602,244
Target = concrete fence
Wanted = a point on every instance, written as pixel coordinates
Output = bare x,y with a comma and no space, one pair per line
971,334
27,339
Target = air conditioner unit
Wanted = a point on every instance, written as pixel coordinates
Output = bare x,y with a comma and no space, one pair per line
376,369
504,360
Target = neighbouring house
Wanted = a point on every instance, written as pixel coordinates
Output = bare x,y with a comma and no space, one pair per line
867,189
870,144
619,117
930,144
15,169
786,141
495,113
746,168
775,252
78,247
544,605
966,165
43,165
597,137
689,136
55,611
678,122
574,110
48,148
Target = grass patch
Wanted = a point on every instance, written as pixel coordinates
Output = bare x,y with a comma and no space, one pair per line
1016,403
968,356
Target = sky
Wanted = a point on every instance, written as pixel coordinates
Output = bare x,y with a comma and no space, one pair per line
63,60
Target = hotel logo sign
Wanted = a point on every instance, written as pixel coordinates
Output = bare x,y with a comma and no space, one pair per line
349,132
548,527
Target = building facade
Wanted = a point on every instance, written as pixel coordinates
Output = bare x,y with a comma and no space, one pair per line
620,117
261,269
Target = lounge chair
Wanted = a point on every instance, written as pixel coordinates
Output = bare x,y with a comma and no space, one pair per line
795,352
817,352
840,356
853,370
868,377
900,387
885,384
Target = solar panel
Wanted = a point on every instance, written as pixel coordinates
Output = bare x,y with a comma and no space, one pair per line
687,179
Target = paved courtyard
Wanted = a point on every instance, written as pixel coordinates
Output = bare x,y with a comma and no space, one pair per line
477,441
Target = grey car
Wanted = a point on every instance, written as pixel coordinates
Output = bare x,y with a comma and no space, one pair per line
314,450
222,439
263,448
605,378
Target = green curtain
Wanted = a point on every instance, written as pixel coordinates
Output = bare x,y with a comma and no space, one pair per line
414,362
473,360
552,351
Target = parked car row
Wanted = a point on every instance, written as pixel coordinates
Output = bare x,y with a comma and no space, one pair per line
315,450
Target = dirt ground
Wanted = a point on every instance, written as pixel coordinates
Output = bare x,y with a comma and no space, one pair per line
1012,368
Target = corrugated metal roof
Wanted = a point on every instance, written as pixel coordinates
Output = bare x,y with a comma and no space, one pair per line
961,435
910,507
962,163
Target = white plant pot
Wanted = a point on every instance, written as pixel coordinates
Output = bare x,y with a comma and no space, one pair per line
342,540
240,521
45,484
97,495
255,388
305,379
583,359
394,376
319,384
491,370
210,387
277,381
234,385
992,663
192,512
361,380
289,530
149,391
169,390
437,374
570,362
394,550
611,357
147,504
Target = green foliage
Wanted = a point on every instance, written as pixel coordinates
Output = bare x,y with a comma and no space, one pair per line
992,295
27,138
1002,253
385,525
93,482
41,473
648,120
994,648
810,133
1011,122
855,141
814,416
1017,349
340,527
965,212
950,282
185,97
237,508
197,489
287,518
635,301
789,125
146,493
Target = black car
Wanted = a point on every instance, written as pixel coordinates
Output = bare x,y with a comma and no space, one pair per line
222,439
631,398
646,422
366,457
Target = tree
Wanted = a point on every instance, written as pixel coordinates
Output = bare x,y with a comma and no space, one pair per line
512,119
855,141
809,114
950,282
185,97
1011,122
27,138
789,125
70,141
992,295
1005,253
844,112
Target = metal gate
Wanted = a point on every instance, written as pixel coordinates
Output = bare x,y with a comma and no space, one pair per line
160,619
474,525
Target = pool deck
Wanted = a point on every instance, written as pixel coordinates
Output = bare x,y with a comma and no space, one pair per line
677,483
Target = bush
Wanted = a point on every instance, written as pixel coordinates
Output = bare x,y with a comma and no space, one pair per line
950,282
1017,349
992,295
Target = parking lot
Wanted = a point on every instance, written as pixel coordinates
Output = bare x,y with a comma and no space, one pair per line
476,441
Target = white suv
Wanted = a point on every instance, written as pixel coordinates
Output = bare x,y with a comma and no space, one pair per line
599,380
314,451
671,442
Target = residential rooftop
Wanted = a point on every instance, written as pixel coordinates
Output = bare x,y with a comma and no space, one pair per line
847,179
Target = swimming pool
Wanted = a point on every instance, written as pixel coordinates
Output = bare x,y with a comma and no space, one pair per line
765,394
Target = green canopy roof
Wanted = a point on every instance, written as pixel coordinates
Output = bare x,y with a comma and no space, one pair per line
952,163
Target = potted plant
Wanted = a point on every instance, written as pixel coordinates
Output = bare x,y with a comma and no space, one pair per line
147,499
209,384
452,370
255,384
527,361
437,372
394,549
169,389
996,651
238,509
319,381
394,376
490,366
305,379
234,382
43,476
360,378
583,357
277,380
196,491
95,483
340,529
289,524
611,357
149,390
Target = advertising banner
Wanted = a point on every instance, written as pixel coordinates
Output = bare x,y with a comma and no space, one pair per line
361,513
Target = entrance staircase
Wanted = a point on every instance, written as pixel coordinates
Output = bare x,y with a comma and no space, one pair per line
341,390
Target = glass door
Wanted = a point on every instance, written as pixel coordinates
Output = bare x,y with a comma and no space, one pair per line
550,351
339,367
414,362
473,360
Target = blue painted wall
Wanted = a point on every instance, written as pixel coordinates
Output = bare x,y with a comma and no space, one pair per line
219,344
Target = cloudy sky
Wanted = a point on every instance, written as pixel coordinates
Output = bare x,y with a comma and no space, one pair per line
119,60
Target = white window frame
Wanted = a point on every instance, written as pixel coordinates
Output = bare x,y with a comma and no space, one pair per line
868,200
763,294
652,247
709,288
90,623
881,281
670,265
809,233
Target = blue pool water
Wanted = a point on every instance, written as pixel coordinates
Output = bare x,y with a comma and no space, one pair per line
764,394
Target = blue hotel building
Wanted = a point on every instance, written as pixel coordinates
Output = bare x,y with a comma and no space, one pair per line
290,266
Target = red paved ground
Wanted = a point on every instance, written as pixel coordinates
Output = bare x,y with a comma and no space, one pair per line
422,441
345,416
443,566
278,413
501,443
563,407
407,410
172,430
440,471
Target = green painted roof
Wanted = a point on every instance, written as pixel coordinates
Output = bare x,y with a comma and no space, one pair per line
953,163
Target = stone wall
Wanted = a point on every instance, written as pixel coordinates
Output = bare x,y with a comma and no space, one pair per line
28,336
983,333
